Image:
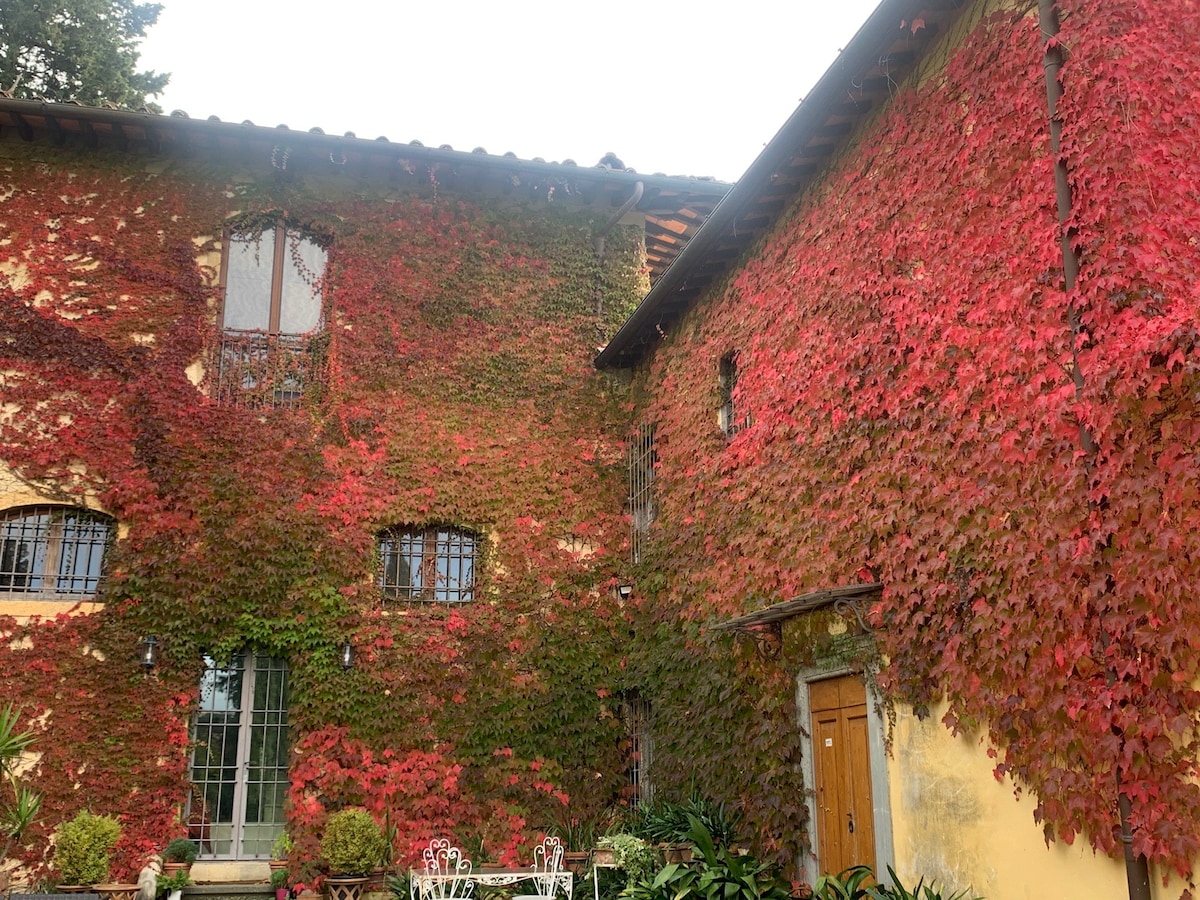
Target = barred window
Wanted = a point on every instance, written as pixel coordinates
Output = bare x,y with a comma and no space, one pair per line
272,348
635,715
642,459
435,563
729,417
53,550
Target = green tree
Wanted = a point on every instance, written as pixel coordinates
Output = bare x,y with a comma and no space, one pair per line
83,50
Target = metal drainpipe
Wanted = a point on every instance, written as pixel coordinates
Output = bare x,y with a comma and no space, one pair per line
598,241
1137,872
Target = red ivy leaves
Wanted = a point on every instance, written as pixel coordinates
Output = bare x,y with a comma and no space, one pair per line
904,354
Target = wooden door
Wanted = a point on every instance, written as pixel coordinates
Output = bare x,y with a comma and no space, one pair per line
842,771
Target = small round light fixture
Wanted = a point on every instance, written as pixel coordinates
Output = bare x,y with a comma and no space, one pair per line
148,652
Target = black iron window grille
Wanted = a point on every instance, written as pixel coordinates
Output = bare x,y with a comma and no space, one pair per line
272,350
635,715
434,564
642,459
257,370
53,550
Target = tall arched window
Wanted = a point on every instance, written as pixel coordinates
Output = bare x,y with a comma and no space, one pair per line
53,551
271,317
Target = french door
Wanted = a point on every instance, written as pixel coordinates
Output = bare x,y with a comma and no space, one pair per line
239,764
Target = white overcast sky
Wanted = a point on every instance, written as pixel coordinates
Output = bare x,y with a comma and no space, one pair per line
684,88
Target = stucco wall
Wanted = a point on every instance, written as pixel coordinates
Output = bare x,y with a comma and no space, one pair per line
954,823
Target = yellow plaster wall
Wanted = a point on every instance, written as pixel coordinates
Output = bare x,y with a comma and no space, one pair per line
953,822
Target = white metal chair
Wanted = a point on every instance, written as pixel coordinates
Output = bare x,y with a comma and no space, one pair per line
446,874
547,861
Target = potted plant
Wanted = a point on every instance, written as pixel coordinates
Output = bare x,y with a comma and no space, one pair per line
632,855
280,851
171,886
351,846
178,856
83,850
279,881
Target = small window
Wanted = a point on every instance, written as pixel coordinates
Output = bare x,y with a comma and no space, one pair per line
52,551
435,564
728,415
635,715
642,459
271,346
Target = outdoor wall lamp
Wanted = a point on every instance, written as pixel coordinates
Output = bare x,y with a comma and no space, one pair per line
623,591
346,656
148,647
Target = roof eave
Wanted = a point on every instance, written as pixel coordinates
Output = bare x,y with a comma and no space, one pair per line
641,329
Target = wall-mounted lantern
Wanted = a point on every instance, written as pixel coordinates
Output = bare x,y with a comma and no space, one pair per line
148,652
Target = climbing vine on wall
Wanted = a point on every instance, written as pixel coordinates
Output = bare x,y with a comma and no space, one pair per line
460,390
905,357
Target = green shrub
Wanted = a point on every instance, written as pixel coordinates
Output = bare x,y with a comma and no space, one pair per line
83,848
666,822
180,850
857,883
353,843
282,848
636,858
719,874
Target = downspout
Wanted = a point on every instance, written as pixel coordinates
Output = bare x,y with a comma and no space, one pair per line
1137,872
598,241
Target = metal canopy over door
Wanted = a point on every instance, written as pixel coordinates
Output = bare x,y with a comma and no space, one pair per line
842,774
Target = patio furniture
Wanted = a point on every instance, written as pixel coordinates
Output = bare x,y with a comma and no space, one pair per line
547,863
445,875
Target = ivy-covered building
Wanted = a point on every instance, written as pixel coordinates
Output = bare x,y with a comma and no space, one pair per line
916,417
311,495
878,506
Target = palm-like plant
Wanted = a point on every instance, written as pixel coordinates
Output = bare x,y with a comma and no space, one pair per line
20,804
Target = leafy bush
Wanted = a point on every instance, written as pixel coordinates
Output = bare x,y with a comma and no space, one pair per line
180,850
83,848
636,858
719,875
666,822
857,883
20,806
353,843
282,848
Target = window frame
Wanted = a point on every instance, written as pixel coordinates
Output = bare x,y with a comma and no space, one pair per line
640,500
281,232
20,527
727,379
450,545
253,729
270,367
